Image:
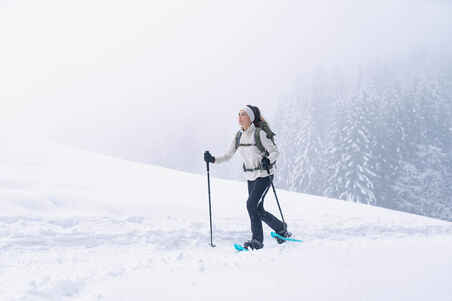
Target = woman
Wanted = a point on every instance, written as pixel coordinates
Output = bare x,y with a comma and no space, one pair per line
258,169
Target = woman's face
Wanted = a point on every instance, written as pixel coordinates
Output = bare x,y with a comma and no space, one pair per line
244,119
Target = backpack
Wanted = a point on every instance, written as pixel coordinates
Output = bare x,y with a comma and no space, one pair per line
260,126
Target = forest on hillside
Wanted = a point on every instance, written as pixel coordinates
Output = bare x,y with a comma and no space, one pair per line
379,134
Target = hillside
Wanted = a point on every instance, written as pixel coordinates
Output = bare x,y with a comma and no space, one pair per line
82,226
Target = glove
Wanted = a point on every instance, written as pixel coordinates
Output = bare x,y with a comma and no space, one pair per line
265,163
208,157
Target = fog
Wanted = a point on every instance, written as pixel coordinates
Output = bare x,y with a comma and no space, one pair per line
162,81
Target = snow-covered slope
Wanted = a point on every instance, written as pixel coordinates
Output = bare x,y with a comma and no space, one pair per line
82,226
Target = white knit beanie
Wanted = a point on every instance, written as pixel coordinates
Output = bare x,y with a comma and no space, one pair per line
249,112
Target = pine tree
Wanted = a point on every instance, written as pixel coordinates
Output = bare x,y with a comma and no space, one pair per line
306,173
286,127
334,150
355,174
421,185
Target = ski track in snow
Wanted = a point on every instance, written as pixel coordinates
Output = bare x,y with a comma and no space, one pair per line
87,250
25,234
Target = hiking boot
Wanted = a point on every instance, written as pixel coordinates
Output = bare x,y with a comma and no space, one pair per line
253,244
283,233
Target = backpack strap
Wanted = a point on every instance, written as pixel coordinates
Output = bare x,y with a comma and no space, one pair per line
237,139
257,168
257,138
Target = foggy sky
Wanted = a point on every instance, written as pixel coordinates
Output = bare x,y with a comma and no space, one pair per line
142,79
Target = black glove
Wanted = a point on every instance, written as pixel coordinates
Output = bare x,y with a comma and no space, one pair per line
265,163
208,157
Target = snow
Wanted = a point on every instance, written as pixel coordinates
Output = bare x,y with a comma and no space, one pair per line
82,226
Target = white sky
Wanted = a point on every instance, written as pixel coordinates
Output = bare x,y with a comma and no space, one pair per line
104,74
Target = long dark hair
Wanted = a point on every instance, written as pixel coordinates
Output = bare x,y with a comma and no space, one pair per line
259,121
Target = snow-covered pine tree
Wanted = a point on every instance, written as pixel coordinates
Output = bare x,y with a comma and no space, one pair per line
334,148
305,175
421,185
355,174
385,128
333,153
286,127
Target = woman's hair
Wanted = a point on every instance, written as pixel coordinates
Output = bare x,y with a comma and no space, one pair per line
260,122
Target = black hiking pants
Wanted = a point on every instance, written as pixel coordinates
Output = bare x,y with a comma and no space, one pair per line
257,190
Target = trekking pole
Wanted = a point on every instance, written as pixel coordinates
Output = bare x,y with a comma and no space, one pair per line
210,205
277,201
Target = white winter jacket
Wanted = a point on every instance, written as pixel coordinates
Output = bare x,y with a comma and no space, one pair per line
250,154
